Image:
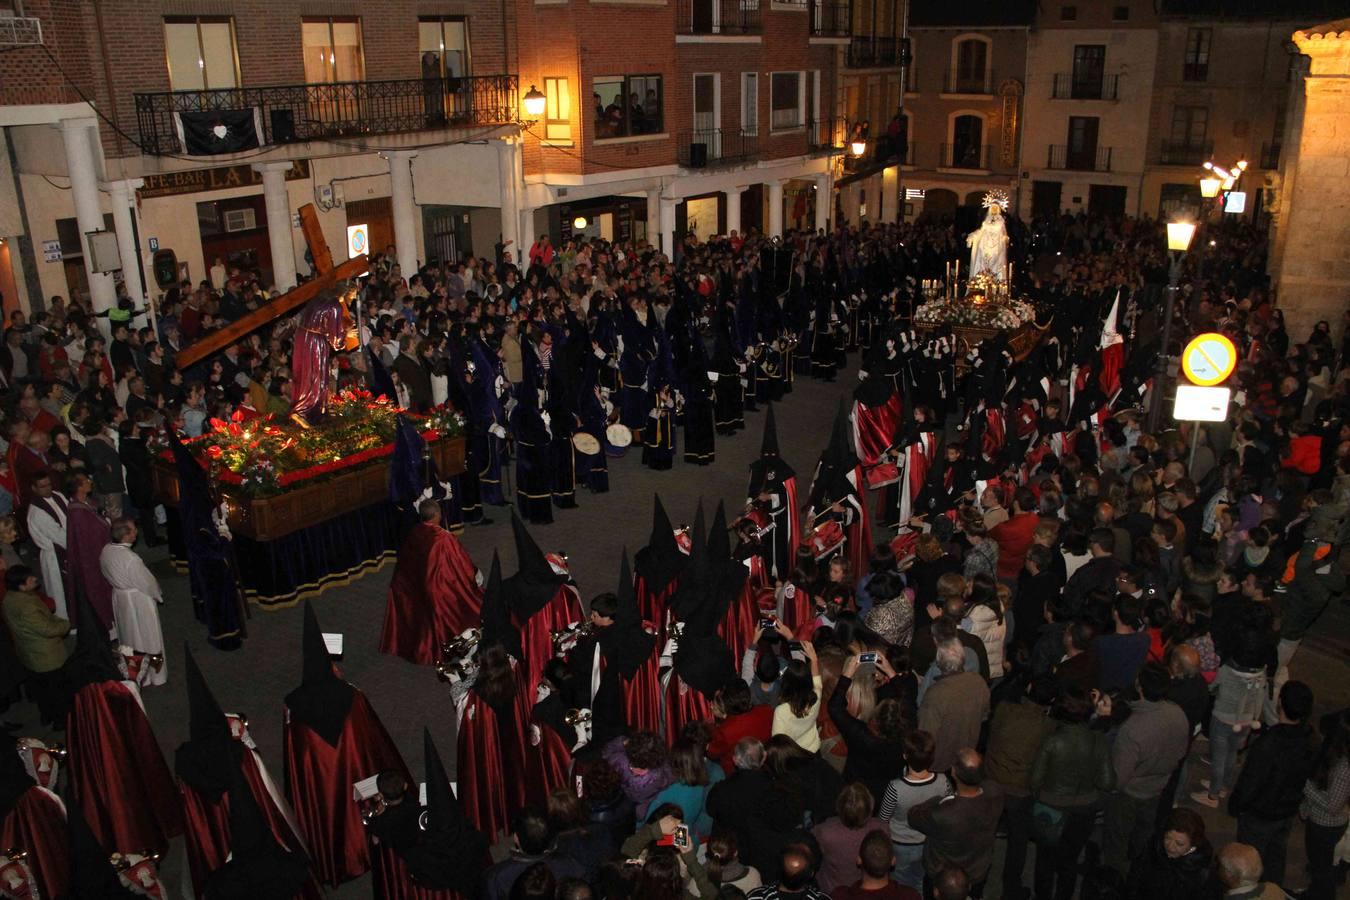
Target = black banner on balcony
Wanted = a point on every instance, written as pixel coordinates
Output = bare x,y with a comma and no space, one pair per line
219,131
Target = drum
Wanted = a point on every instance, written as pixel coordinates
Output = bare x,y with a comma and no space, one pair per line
881,474
826,539
760,518
586,444
619,435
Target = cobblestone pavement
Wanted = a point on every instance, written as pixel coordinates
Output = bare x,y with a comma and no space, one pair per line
254,679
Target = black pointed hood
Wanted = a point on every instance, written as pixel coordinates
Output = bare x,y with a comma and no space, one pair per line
693,587
207,760
837,463
451,854
93,661
770,469
731,573
535,583
91,871
259,868
626,644
661,561
704,662
323,699
768,445
497,625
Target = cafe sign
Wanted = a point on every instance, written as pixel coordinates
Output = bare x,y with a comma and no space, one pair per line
222,178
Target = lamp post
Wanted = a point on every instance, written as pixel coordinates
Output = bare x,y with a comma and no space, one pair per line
534,102
1179,236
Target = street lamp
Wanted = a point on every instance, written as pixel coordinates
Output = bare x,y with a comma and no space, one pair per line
535,102
1209,188
579,223
858,146
1179,237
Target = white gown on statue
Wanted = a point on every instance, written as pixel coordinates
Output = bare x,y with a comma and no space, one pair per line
989,249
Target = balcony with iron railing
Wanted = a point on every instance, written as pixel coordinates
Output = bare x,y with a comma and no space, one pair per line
1270,156
1091,159
313,112
979,83
965,156
1068,86
703,17
871,52
881,153
827,135
709,148
1184,153
831,18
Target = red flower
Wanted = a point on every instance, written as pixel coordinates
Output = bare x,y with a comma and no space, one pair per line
218,424
214,451
236,416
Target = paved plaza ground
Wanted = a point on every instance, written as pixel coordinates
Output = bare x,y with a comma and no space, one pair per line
254,679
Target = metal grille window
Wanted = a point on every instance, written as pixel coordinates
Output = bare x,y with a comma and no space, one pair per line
786,100
557,110
1196,67
1190,125
627,105
200,53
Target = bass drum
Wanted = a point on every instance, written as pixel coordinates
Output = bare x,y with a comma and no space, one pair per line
585,443
619,435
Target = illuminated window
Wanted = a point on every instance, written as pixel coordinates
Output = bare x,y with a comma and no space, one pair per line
332,49
200,53
558,110
627,105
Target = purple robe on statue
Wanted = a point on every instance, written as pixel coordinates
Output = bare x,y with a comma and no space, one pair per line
87,533
321,332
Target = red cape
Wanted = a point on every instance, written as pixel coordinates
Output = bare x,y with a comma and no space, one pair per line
536,639
738,624
642,695
433,596
683,704
491,763
37,824
117,771
87,533
319,779
391,881
208,827
652,605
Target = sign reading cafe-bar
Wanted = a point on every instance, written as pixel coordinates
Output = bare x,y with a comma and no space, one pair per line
222,178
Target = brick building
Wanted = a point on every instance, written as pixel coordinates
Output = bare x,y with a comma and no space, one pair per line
662,116
964,100
1089,85
671,116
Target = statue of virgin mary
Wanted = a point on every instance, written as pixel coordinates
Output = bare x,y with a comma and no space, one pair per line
989,243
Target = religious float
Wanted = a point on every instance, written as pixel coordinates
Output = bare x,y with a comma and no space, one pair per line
275,477
987,306
302,500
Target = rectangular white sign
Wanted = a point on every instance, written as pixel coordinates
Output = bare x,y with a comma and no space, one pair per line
1201,404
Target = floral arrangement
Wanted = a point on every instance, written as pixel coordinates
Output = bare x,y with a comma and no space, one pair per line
264,456
992,311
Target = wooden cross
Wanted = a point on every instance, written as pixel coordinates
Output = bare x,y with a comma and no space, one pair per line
327,277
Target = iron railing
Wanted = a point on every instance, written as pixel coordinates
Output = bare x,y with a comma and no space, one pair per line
1071,87
881,152
870,51
828,135
713,147
831,18
965,156
957,83
308,112
1184,153
1097,159
1270,155
718,17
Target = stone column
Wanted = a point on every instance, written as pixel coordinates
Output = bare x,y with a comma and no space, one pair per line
527,235
823,201
508,164
654,216
123,194
79,136
775,208
733,209
668,226
278,222
405,211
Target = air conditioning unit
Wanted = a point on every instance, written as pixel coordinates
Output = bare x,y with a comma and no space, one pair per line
240,220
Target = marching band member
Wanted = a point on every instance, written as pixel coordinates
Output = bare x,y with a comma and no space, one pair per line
331,738
658,566
773,489
32,823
